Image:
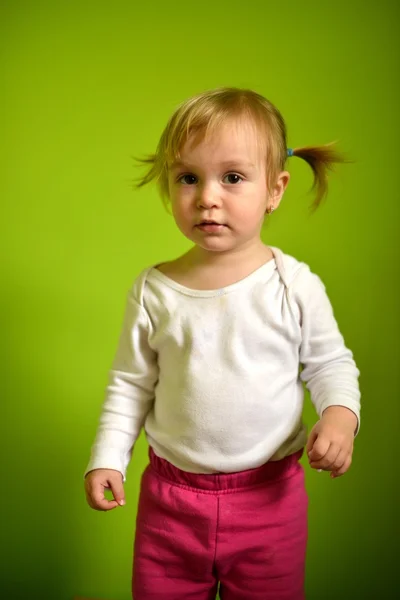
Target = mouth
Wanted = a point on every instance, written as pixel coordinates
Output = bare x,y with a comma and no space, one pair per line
210,226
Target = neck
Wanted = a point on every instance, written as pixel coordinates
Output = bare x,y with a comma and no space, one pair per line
255,252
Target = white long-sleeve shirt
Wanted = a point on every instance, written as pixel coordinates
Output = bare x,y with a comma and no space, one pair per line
215,377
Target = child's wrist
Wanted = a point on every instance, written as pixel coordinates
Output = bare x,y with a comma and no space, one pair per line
343,413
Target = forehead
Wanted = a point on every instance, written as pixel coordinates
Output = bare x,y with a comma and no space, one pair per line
232,141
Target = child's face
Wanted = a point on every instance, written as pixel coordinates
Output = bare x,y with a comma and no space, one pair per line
223,181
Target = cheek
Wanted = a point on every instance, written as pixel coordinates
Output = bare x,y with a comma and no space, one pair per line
180,210
250,205
250,211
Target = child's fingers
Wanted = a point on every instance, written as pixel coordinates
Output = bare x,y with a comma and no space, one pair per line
310,442
340,460
99,502
95,485
319,449
327,461
117,489
343,469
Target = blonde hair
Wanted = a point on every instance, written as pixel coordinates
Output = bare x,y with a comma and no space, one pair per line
202,114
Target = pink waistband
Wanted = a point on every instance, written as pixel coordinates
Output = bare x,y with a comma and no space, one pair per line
273,470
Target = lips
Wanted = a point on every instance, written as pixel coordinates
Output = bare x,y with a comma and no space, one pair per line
209,222
210,226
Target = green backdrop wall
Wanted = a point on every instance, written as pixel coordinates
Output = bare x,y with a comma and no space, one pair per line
86,85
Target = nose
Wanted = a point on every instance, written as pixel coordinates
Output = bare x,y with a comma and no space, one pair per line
208,197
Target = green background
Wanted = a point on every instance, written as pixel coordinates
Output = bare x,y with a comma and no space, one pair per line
86,85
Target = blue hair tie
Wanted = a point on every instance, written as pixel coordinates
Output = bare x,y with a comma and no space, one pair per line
290,152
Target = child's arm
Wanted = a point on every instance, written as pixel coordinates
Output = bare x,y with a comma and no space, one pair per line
129,398
331,376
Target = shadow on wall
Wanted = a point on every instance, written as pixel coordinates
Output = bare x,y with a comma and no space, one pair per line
36,431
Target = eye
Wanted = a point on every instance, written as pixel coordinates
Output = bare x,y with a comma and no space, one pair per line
187,179
233,178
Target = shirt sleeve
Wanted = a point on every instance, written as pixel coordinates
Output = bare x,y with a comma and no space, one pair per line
329,370
129,394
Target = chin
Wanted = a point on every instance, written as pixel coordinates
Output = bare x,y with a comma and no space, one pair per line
215,245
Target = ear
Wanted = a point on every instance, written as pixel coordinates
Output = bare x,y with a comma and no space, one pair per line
279,189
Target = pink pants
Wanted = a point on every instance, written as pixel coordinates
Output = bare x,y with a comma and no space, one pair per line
246,530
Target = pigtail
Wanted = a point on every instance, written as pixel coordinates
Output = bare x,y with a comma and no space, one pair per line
150,163
322,160
155,172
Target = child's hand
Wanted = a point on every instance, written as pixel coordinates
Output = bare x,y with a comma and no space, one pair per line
330,444
99,480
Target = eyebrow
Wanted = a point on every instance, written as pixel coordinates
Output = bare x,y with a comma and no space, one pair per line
233,163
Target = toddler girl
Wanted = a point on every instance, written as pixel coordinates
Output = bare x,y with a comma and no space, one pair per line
214,350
